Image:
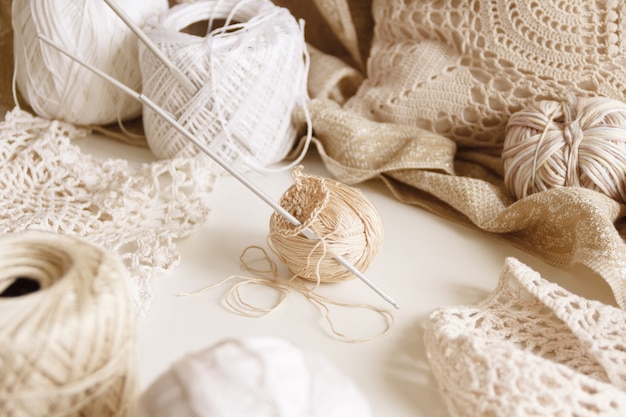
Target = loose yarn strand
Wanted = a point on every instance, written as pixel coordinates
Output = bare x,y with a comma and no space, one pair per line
236,301
337,214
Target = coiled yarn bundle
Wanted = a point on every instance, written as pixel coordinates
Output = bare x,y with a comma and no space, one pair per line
67,349
57,87
344,220
254,377
576,143
250,76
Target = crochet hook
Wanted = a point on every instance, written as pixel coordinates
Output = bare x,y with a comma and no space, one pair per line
308,233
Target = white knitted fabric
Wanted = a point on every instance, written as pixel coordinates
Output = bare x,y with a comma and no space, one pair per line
530,349
46,183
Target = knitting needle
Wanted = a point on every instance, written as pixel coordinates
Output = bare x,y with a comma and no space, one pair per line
176,72
307,232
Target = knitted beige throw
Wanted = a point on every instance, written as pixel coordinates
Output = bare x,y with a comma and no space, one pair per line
529,349
427,115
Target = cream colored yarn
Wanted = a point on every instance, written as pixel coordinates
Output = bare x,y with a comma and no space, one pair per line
580,142
135,211
530,349
341,216
58,88
249,74
67,349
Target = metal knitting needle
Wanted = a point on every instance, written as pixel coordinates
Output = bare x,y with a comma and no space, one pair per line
176,72
307,232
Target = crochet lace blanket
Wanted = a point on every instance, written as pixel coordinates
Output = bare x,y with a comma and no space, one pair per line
46,183
530,349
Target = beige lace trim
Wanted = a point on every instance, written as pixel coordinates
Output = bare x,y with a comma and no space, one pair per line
530,349
47,184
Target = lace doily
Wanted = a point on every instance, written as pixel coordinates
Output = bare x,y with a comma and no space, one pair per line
47,184
530,349
459,68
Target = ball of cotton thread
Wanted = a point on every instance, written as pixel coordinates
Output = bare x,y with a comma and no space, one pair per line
68,348
250,75
56,87
578,142
253,377
346,222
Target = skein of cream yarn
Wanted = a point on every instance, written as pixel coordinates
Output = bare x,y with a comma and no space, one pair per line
341,216
249,73
67,346
57,87
579,142
253,377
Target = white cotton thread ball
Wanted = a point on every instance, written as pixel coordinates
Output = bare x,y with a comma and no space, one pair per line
577,142
248,68
253,377
55,86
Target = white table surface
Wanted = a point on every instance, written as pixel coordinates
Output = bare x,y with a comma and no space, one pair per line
426,262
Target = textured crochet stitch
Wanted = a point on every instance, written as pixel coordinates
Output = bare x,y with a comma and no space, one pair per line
47,183
531,348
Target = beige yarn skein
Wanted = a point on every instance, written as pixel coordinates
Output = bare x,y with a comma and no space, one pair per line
68,348
576,143
346,222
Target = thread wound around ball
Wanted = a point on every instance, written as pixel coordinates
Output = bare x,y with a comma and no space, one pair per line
341,216
67,347
579,142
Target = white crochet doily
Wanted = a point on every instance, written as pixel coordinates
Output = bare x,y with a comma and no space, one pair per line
46,183
530,349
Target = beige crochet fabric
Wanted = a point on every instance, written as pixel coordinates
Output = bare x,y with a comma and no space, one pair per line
530,349
442,79
46,183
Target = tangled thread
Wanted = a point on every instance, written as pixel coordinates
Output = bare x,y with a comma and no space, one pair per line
580,142
346,223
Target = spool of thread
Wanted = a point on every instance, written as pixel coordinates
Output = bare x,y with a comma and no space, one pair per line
254,377
346,222
580,142
67,329
59,88
250,74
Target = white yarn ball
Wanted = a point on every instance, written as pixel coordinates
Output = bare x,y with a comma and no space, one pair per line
256,377
249,75
57,87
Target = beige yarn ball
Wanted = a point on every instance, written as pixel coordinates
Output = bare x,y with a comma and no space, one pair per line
67,329
580,142
341,216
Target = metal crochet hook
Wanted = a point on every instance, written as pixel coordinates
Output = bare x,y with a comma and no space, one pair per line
307,232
